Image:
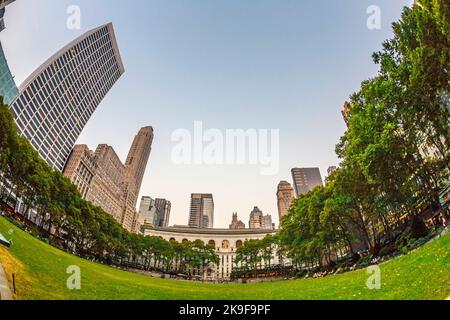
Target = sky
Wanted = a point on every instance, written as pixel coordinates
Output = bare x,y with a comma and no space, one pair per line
232,64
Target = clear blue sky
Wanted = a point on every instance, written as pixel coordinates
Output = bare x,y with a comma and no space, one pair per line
287,65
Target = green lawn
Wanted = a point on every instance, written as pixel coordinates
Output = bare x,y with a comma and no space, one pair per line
41,274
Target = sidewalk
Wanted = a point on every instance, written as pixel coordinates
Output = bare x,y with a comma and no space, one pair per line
5,291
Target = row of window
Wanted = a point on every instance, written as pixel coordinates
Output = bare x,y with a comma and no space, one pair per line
54,108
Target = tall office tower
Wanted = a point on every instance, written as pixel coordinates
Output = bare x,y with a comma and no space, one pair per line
80,168
306,179
202,211
106,188
235,223
260,221
267,223
256,219
135,166
57,100
3,4
8,88
285,196
147,211
98,177
163,208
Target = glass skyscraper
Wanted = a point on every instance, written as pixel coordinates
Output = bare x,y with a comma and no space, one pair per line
8,88
58,99
201,214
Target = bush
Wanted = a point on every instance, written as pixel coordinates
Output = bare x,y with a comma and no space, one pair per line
364,262
405,250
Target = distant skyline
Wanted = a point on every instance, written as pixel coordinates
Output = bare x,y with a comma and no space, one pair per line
286,65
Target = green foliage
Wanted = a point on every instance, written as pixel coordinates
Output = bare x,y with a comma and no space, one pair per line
395,154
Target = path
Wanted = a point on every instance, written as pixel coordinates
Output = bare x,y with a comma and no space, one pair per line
5,291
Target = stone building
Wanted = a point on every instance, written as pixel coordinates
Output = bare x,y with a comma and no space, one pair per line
225,242
285,197
235,223
105,181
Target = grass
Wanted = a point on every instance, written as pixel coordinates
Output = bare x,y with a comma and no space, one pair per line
40,272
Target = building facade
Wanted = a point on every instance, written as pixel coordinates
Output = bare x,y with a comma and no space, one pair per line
81,168
306,179
104,180
201,214
106,188
8,88
147,211
3,4
98,176
57,100
256,219
154,212
260,221
163,208
285,197
225,242
235,223
135,166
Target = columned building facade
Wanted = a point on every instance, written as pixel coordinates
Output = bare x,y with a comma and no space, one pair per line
57,100
224,241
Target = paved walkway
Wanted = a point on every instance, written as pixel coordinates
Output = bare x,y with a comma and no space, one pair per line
5,291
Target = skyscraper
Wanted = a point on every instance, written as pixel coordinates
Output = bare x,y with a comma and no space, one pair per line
58,99
8,88
135,166
306,179
98,176
202,211
163,208
3,4
260,221
256,219
285,196
147,211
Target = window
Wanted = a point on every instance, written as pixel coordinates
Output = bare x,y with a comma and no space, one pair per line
225,244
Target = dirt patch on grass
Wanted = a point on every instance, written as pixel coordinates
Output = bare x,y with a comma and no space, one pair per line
13,266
